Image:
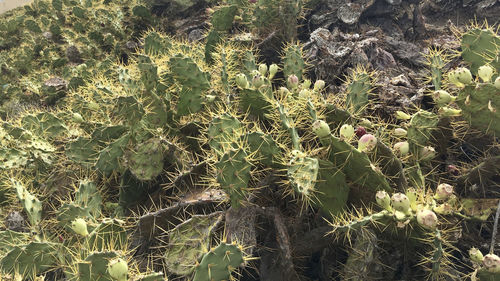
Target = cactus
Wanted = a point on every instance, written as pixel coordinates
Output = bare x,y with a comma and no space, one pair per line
302,173
194,82
87,204
44,123
218,263
359,86
110,234
263,146
108,160
95,266
30,260
32,206
331,189
146,162
233,174
220,131
422,124
293,62
480,47
480,106
187,242
156,276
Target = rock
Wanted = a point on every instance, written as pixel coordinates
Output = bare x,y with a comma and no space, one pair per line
195,35
15,222
406,51
56,84
349,13
73,54
47,35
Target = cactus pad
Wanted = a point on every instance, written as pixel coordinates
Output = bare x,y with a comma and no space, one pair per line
219,263
146,162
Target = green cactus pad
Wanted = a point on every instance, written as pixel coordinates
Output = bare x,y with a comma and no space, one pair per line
146,162
129,108
95,267
480,47
29,260
83,151
331,188
110,234
422,124
264,147
219,263
254,102
222,19
221,130
155,44
32,206
10,239
358,91
233,174
481,107
293,62
44,124
108,160
11,158
303,173
187,242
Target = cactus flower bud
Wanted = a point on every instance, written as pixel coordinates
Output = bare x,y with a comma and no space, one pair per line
365,123
77,118
321,128
497,83
79,226
367,143
463,75
118,269
306,84
252,1
263,69
293,81
258,81
304,94
283,91
411,193
360,131
427,153
449,112
209,98
443,191
400,132
319,85
492,263
485,72
273,69
453,78
241,81
383,200
400,202
400,115
346,131
402,148
427,219
442,97
475,255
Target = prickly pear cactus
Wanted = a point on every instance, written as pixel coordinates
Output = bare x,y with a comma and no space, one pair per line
95,266
110,234
219,263
31,204
480,106
187,241
146,162
293,61
359,87
480,47
302,173
221,130
29,260
233,174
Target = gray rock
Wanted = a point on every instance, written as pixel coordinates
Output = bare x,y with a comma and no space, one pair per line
73,54
15,222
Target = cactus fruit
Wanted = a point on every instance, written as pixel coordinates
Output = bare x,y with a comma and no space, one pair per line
443,191
118,269
485,72
218,263
367,143
400,132
427,153
400,115
79,226
400,202
241,81
273,69
346,132
402,148
442,97
446,111
475,255
320,128
497,83
360,131
492,263
293,81
463,75
383,200
427,219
